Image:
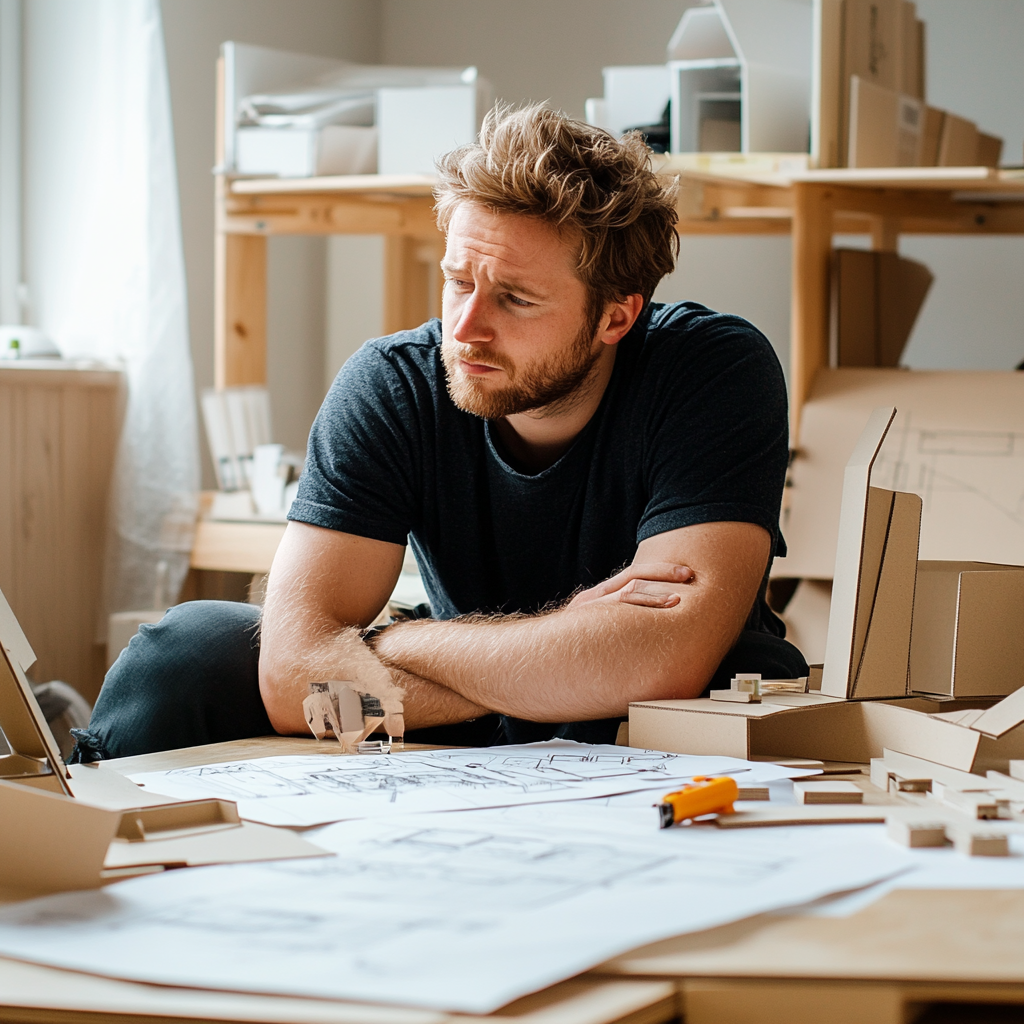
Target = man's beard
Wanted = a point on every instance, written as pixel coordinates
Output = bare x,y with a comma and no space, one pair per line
557,383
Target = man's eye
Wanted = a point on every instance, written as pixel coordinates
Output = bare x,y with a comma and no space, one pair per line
516,301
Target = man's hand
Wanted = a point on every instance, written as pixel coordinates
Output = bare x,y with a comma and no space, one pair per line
650,585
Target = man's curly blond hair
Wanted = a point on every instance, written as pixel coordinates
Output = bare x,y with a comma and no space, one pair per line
598,189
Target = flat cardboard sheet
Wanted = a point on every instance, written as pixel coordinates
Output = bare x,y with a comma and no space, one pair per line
958,442
449,911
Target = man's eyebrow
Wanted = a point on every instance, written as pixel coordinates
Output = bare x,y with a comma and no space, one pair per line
453,270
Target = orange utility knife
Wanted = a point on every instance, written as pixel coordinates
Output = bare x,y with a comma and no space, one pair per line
703,796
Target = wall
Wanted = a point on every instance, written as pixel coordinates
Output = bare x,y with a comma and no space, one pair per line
193,31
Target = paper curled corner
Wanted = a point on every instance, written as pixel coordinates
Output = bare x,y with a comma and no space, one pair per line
336,707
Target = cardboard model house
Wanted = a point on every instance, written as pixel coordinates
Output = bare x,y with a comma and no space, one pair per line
863,707
740,77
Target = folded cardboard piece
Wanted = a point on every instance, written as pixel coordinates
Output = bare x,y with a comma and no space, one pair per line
82,826
864,704
968,632
876,297
868,649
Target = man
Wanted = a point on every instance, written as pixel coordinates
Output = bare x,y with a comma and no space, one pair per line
553,428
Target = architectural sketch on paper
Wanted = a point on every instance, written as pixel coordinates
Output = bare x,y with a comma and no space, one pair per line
461,911
974,476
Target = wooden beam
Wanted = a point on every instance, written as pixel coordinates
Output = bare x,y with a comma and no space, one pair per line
411,283
240,336
812,249
330,214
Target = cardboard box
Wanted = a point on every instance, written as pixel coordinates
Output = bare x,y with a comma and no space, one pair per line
958,146
968,630
831,729
885,126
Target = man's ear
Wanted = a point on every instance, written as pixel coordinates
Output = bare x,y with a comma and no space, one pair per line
618,318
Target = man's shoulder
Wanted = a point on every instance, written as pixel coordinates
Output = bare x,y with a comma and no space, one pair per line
688,326
412,350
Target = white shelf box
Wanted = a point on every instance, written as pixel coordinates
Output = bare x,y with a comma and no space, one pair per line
740,77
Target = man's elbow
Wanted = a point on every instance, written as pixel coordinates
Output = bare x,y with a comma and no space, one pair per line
279,702
686,674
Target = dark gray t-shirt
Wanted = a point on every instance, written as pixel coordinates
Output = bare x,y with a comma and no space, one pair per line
692,429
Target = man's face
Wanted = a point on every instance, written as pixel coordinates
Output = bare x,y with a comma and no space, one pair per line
518,334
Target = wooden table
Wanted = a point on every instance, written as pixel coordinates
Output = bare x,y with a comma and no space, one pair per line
910,950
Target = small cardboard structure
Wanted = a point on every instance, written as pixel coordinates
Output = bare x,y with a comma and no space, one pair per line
971,739
868,650
968,633
81,827
740,70
863,707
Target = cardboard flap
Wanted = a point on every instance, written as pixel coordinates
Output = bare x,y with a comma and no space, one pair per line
857,537
50,842
243,843
883,666
12,636
25,727
1002,717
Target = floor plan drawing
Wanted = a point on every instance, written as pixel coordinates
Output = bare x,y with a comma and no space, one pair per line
316,789
450,911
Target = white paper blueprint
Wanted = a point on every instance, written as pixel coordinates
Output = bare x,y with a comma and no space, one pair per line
304,790
449,911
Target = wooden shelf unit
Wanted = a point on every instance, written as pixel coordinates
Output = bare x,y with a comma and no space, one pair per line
811,206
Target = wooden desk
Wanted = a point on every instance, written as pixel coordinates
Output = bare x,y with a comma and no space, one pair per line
909,950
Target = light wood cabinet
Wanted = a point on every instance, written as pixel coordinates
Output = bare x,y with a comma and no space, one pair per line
59,428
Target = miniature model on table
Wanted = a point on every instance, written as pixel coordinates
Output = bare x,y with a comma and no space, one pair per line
590,480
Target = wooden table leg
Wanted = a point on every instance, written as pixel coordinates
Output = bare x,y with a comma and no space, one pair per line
240,301
812,250
411,281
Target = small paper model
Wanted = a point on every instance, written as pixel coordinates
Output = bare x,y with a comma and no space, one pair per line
337,708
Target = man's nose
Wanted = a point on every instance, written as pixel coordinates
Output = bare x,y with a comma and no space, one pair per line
473,324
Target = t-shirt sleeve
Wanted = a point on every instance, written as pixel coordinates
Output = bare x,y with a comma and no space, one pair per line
360,474
716,433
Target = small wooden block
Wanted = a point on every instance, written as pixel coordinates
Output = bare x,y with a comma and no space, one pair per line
753,793
916,833
982,806
735,696
981,844
827,793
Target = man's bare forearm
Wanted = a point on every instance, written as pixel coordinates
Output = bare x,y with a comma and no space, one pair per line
576,664
287,668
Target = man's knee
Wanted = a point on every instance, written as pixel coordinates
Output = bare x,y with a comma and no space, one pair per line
191,678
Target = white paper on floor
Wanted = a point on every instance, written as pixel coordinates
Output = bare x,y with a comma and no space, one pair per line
305,790
449,911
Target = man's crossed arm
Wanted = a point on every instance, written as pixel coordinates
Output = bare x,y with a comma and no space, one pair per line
656,630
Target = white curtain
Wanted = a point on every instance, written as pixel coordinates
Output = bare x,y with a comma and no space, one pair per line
105,262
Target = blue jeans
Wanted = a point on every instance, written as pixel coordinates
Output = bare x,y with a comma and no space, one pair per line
193,678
